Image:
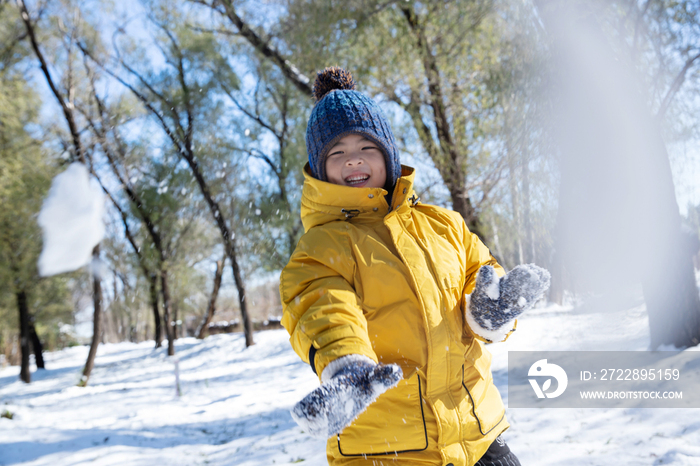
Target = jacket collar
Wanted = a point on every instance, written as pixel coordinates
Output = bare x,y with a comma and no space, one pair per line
323,202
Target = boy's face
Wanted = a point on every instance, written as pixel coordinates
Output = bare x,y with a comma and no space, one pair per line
356,161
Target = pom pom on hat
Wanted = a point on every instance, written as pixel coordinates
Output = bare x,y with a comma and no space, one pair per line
330,79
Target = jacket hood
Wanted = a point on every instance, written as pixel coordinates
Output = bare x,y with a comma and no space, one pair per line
323,202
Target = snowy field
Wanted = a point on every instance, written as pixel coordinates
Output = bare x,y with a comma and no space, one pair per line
234,404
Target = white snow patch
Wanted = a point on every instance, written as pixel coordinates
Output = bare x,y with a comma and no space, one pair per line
486,333
349,407
492,290
71,221
235,402
234,408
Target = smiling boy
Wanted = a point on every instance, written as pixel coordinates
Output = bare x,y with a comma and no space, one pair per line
390,301
356,161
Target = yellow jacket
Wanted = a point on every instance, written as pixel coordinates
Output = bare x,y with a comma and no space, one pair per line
389,284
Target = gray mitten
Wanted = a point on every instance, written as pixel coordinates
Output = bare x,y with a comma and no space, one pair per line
330,408
496,302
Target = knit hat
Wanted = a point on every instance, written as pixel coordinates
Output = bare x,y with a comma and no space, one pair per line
341,110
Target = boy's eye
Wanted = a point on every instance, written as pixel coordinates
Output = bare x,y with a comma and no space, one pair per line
335,153
369,147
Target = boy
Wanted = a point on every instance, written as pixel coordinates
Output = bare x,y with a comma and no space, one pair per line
374,300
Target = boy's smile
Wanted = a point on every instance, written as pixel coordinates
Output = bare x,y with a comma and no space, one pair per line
357,162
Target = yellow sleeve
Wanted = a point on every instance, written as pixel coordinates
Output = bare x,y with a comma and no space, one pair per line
321,310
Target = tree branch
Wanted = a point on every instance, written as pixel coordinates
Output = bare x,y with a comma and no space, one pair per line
67,111
291,72
142,98
180,67
248,113
424,134
433,77
675,87
133,196
224,32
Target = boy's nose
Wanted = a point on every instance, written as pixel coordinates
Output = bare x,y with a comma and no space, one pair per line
354,159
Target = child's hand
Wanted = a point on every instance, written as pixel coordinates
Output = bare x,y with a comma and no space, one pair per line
336,403
496,302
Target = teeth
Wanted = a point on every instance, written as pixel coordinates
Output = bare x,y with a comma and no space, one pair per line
356,179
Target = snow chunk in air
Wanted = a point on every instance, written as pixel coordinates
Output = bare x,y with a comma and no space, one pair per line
71,221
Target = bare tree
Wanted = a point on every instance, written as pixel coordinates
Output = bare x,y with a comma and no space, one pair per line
177,119
115,151
37,347
24,374
203,329
274,113
78,154
150,276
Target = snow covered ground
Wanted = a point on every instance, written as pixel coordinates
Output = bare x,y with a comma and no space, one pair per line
235,401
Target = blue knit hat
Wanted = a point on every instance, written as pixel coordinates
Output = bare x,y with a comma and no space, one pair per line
341,110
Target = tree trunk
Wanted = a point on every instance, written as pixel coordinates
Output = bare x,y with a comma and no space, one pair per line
37,347
24,373
174,308
166,310
79,154
463,205
670,289
153,295
446,157
618,221
145,216
674,315
96,321
211,308
227,237
247,324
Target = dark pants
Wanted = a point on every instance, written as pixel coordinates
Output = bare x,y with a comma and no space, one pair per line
498,454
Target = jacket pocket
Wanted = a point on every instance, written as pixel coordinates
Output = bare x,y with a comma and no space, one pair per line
395,423
485,402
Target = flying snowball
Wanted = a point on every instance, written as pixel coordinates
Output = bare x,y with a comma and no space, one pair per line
71,221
